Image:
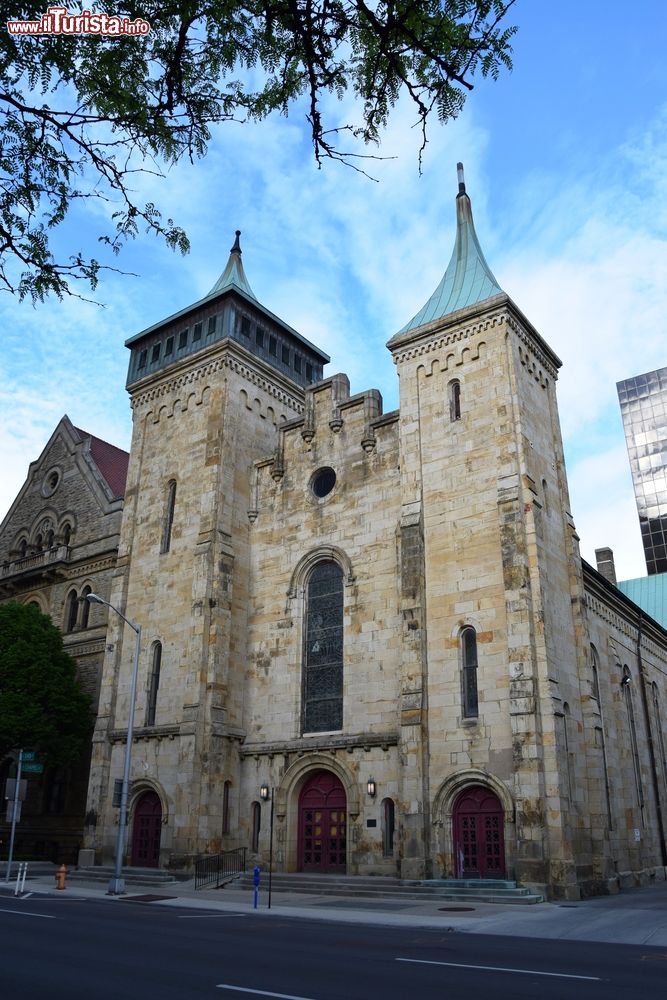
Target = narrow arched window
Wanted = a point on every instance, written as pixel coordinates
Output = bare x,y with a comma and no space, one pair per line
469,673
71,611
23,548
566,748
85,606
388,820
595,680
454,400
323,655
256,825
626,685
153,683
168,516
67,533
225,806
50,539
658,720
39,543
600,740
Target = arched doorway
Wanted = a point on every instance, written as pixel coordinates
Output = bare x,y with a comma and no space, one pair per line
322,824
479,843
146,831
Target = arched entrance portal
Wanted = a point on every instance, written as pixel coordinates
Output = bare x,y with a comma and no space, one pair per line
322,823
479,844
146,831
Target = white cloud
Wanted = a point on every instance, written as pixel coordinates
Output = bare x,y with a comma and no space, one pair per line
347,262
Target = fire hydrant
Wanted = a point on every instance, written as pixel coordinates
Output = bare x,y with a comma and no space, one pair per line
61,875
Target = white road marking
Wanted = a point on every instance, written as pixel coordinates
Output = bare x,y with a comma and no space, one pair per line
499,968
209,916
260,993
27,913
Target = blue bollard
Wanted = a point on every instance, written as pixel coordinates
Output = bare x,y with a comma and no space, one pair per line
255,882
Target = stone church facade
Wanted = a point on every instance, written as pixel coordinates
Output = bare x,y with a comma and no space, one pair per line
382,618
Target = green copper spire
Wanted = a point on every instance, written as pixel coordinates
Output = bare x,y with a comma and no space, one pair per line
233,274
468,279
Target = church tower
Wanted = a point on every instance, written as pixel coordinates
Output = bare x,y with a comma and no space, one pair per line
496,591
209,387
373,624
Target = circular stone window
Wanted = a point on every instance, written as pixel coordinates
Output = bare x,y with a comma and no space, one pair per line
323,482
50,483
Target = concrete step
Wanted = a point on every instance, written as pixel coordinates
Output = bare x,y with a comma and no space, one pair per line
35,868
486,891
131,876
464,883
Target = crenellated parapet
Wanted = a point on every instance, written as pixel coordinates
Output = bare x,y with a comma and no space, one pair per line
330,412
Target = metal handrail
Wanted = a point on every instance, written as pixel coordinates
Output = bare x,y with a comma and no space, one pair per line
213,868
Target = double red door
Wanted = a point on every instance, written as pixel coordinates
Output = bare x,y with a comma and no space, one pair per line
322,824
146,831
479,844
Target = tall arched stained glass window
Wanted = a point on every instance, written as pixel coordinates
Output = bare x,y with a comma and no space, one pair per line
469,672
255,826
323,654
225,806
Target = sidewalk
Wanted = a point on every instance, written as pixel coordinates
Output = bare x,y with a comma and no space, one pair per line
635,916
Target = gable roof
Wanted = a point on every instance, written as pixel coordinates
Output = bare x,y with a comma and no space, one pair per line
112,462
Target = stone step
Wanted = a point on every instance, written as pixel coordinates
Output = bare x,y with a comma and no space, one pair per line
361,887
131,876
463,883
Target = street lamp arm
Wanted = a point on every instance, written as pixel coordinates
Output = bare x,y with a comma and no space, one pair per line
96,599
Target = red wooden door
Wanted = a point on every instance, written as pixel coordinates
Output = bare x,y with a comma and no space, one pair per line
479,843
146,831
322,824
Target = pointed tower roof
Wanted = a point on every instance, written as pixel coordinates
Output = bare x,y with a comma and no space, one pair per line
468,279
233,274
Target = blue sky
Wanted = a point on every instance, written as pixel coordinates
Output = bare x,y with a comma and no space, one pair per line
566,166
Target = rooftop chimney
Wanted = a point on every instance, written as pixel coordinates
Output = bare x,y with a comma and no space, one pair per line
605,562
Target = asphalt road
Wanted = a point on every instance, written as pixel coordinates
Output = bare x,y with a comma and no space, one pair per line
71,948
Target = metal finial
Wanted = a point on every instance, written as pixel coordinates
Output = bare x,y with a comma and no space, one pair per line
462,183
237,246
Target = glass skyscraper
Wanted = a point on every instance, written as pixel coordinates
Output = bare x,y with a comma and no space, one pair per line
643,402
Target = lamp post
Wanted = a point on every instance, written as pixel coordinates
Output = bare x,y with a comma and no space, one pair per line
117,883
267,793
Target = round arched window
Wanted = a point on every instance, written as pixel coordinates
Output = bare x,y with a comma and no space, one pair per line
323,482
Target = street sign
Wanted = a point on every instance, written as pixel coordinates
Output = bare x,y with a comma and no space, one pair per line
10,789
28,755
13,812
33,767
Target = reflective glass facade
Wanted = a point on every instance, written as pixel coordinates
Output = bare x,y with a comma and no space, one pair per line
643,402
